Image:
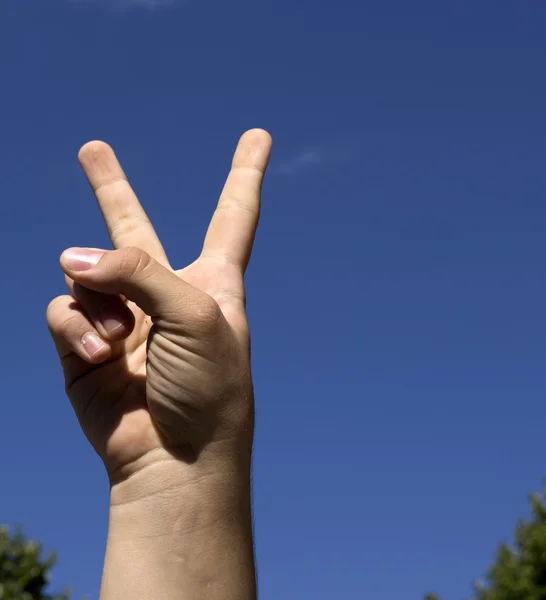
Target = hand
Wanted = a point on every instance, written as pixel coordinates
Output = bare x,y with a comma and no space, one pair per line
156,360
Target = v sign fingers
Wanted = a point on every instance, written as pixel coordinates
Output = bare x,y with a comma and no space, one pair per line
126,220
173,384
233,226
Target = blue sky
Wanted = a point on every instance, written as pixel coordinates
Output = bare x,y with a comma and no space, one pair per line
397,289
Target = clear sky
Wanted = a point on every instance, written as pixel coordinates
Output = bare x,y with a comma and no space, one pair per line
397,292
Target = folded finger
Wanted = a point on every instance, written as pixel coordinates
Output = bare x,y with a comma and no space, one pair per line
73,332
111,317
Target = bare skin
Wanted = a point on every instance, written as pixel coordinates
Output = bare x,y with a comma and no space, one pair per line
157,367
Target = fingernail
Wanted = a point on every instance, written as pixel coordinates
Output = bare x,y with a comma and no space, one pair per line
93,344
109,319
81,259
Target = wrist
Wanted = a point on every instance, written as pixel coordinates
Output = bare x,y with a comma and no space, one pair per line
189,537
156,468
162,490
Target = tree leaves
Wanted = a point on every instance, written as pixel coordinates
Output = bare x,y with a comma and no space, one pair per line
24,574
519,570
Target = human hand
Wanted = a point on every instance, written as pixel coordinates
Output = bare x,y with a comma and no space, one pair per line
156,360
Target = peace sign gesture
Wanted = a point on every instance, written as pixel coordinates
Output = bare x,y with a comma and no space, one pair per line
156,360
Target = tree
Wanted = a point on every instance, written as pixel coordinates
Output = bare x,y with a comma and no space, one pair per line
24,574
519,569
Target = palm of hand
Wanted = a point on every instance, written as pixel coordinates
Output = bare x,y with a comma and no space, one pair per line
124,406
116,394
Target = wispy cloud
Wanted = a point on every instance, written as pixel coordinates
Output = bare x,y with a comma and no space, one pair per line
333,153
301,161
122,5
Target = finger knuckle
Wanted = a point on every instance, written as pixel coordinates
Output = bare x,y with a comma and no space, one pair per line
62,319
69,326
127,224
54,307
133,261
209,314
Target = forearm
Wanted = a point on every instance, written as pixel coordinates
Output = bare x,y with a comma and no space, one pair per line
192,541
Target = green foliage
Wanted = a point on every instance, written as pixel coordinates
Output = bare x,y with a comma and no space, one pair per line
519,570
24,573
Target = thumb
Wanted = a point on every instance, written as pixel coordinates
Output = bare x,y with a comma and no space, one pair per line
132,272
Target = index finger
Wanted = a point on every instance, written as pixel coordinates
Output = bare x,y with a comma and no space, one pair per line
231,232
126,220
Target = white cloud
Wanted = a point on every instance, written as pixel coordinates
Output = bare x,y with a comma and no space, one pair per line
331,154
303,160
121,5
